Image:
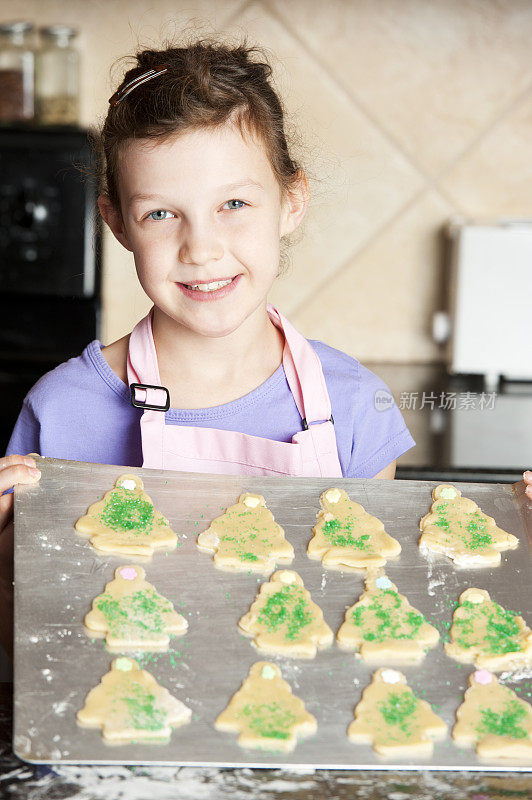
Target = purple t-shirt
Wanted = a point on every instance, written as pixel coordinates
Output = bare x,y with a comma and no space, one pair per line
81,411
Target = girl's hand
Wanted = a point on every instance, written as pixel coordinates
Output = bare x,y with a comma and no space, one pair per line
14,469
527,477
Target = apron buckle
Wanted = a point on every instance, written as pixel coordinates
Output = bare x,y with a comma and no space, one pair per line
305,423
141,404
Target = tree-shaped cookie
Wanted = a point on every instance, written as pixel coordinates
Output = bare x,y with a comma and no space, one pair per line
283,619
458,528
494,719
126,522
129,705
384,627
246,538
131,615
265,712
393,719
346,537
487,635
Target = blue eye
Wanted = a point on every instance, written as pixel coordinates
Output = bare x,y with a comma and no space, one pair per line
159,211
235,201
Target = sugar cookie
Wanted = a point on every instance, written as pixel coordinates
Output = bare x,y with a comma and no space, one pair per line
246,538
132,615
494,719
129,706
125,521
487,635
384,627
458,528
346,537
265,712
284,620
393,719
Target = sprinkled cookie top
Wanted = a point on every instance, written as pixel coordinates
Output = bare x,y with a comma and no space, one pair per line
505,722
124,511
472,531
269,720
135,615
142,711
287,609
246,537
340,533
386,618
399,709
487,626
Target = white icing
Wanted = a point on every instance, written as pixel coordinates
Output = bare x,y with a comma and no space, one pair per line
383,582
475,597
251,502
268,672
123,664
448,493
328,516
390,676
128,484
333,495
287,577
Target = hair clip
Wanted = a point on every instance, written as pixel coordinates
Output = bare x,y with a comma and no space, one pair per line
146,76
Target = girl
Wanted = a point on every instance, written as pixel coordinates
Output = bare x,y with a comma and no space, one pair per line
199,184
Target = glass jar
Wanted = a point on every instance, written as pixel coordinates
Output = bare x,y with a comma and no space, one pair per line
57,77
17,96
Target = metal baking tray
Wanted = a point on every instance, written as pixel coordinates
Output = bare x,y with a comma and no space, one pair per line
58,573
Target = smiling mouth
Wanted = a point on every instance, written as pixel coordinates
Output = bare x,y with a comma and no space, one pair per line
209,287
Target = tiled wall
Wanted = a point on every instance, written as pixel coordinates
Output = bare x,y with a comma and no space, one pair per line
410,111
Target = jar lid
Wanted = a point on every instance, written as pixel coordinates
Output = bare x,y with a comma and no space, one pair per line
59,31
16,27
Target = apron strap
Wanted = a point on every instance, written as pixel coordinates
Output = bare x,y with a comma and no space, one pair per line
307,382
149,393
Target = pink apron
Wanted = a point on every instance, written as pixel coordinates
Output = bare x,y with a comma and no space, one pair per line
312,451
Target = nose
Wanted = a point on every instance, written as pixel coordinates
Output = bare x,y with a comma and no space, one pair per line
200,244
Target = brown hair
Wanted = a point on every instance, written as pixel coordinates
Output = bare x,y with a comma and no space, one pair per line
206,83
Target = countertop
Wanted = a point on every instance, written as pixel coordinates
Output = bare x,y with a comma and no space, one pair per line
463,430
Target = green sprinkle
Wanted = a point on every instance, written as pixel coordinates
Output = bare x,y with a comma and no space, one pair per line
340,534
142,711
125,511
269,720
397,709
287,609
505,723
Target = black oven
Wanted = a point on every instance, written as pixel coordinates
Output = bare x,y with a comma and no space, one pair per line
50,257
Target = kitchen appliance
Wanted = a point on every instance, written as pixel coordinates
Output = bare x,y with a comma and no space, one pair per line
488,328
50,255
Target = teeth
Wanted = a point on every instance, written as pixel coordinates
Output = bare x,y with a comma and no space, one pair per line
208,287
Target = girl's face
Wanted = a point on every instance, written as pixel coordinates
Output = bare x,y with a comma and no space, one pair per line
204,207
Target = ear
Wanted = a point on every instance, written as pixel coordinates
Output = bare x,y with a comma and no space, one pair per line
113,218
294,203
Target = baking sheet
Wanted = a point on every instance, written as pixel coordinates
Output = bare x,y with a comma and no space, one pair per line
58,573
